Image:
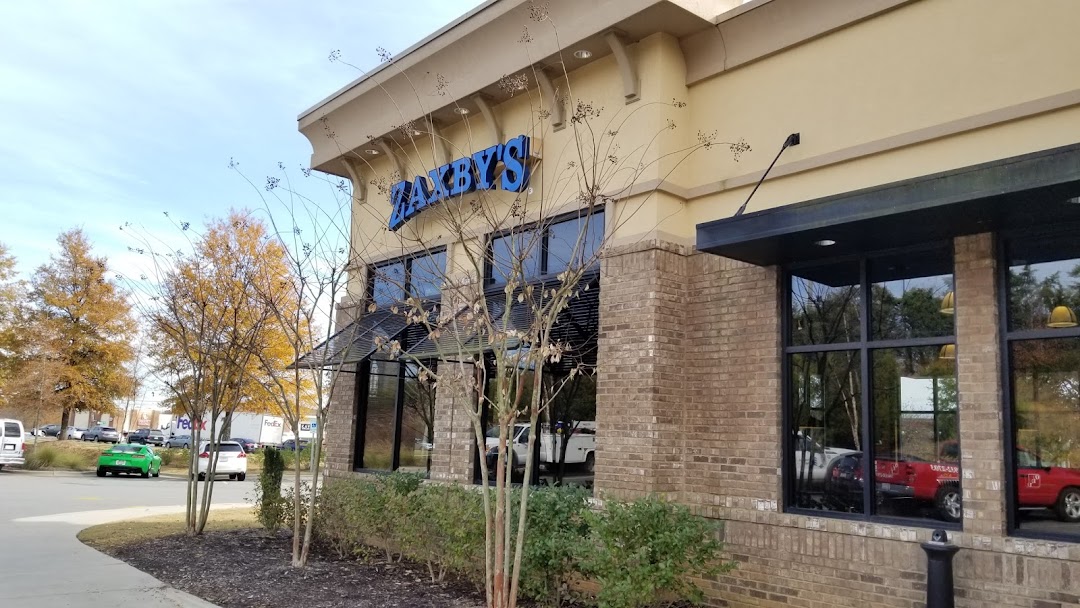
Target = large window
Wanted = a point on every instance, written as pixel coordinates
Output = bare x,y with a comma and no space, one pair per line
395,425
871,377
1043,349
534,252
420,276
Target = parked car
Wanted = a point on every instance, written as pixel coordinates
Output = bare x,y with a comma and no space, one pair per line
102,434
51,430
12,442
289,445
178,441
231,459
249,445
129,459
73,432
938,483
146,437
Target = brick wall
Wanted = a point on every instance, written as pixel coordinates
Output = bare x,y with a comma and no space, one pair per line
454,452
639,392
341,425
689,389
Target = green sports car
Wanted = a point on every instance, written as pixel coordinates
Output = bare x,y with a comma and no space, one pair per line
129,458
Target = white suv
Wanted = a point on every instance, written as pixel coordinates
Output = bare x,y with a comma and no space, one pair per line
12,442
231,460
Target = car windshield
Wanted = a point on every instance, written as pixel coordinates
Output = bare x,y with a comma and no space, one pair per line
107,429
229,447
126,449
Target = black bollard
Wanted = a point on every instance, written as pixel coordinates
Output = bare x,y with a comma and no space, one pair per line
939,576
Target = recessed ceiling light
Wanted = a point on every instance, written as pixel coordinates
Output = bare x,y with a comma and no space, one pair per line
582,54
825,243
461,110
372,152
416,133
1074,200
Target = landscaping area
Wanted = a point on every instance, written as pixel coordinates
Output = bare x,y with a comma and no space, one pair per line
395,540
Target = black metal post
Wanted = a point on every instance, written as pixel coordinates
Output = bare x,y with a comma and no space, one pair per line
939,571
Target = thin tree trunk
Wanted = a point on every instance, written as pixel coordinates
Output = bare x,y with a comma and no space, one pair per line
309,525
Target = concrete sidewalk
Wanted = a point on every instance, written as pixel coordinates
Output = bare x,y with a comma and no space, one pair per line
44,565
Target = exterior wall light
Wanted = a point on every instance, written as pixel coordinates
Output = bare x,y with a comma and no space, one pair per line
948,304
1061,317
582,54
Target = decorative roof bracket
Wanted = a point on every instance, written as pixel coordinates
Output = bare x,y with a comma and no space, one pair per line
356,176
554,103
627,69
388,150
489,116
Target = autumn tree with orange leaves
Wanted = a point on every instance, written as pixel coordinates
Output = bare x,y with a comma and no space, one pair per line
218,343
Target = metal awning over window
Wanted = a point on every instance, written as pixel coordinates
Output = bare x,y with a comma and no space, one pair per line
359,340
577,326
1042,188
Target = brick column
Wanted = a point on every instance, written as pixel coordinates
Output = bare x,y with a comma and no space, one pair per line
978,360
454,450
341,424
639,395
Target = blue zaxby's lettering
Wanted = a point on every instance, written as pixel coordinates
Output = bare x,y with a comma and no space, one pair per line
462,176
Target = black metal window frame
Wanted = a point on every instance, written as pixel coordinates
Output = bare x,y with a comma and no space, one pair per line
407,261
864,346
491,280
363,384
1007,337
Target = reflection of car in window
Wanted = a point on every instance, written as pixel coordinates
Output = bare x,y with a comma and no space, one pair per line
812,461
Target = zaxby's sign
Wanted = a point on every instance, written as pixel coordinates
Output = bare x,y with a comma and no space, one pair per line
462,176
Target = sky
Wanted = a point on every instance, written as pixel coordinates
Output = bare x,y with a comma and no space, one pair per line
115,111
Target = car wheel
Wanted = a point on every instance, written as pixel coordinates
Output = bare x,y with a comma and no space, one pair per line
949,503
100,472
168,446
116,473
590,462
241,477
1068,505
145,473
202,476
232,477
156,473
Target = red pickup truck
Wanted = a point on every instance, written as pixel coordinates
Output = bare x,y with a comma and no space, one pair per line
1038,487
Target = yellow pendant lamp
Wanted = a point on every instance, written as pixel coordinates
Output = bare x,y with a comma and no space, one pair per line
948,352
1062,316
948,304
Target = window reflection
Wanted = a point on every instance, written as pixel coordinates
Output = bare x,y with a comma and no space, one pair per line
563,247
1044,289
426,275
825,305
825,398
508,251
912,296
379,415
417,422
916,433
388,283
1045,381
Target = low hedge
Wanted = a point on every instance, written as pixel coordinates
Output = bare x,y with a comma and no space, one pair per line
641,553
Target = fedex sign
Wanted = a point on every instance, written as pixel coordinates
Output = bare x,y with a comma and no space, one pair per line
462,176
186,424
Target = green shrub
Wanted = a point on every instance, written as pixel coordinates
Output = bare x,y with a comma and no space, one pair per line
269,504
174,457
645,552
557,527
444,528
289,508
40,457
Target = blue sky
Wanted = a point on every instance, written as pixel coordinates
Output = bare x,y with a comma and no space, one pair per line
117,111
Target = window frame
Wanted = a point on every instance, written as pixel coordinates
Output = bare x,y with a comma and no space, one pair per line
865,346
407,262
363,385
1006,338
490,280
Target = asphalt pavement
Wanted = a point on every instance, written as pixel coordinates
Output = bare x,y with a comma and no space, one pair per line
43,564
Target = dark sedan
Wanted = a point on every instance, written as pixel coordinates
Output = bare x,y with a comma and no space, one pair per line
249,445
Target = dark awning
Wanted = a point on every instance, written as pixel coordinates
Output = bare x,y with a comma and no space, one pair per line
1021,191
358,340
577,326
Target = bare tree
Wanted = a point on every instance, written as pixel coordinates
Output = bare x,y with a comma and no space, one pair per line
501,321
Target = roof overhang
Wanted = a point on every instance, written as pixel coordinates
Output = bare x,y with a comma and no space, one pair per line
468,57
1034,189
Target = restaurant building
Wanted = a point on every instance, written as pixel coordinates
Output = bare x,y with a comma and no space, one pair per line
901,288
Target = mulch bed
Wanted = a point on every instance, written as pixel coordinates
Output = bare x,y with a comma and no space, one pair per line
248,568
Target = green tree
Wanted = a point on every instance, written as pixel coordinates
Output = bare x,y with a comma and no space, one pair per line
86,326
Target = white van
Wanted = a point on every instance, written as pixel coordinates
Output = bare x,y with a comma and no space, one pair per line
12,442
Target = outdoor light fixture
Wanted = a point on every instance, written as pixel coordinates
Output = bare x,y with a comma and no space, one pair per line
461,110
948,352
582,54
825,243
948,304
792,140
1061,317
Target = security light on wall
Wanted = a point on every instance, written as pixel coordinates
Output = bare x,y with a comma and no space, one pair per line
1061,317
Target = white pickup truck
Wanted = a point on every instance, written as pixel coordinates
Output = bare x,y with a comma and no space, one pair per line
581,448
812,460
